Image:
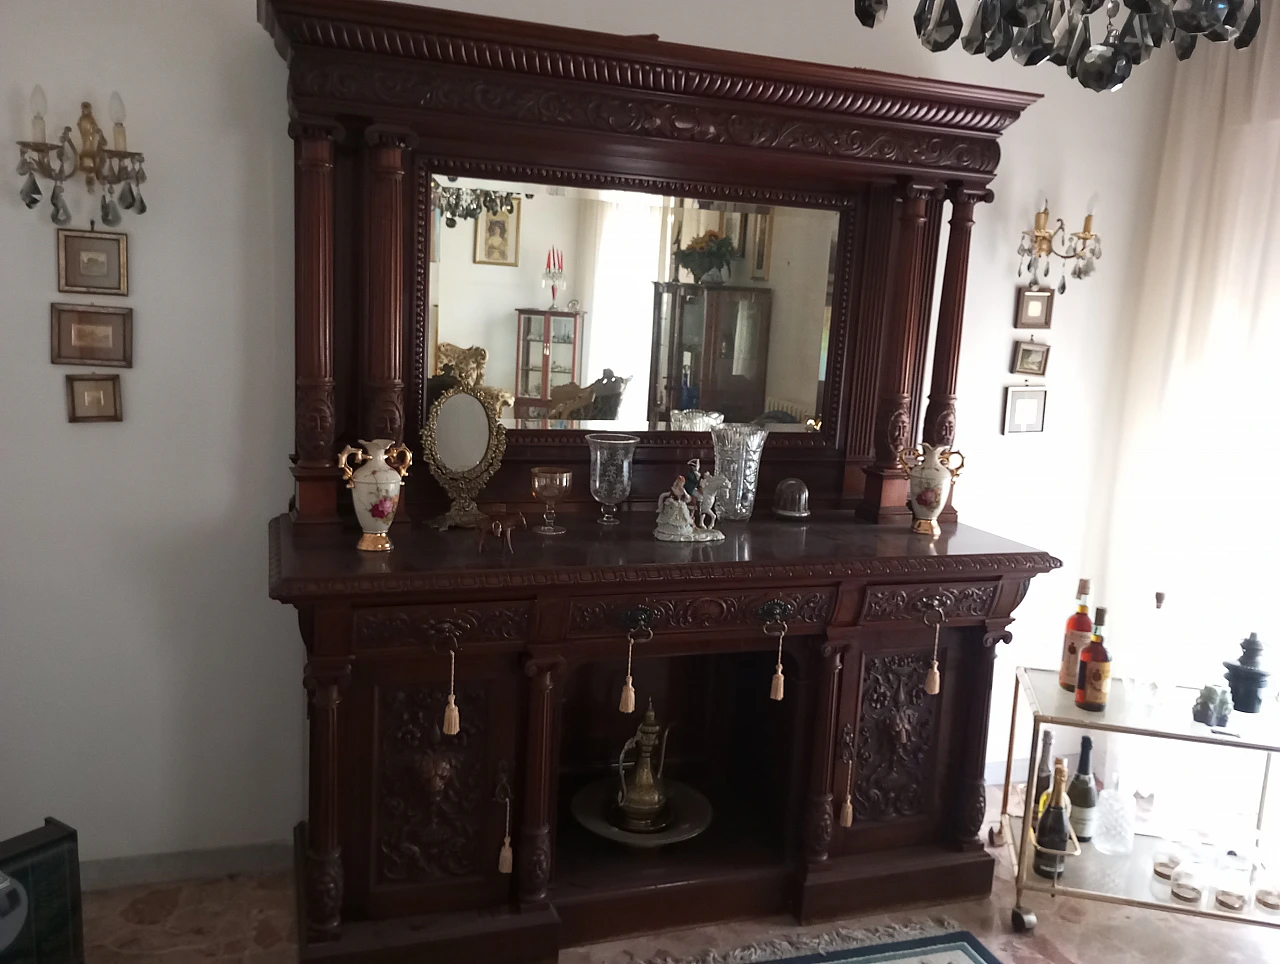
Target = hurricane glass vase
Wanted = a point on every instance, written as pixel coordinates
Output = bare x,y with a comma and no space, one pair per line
738,448
611,455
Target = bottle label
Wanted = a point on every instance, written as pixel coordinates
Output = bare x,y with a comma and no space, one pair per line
1072,643
1083,821
1097,681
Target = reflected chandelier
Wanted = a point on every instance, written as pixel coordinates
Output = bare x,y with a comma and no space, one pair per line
465,203
1058,31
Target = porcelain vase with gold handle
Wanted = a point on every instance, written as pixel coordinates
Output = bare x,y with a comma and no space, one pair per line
375,480
930,475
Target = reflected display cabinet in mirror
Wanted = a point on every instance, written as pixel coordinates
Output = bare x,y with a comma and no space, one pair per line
548,348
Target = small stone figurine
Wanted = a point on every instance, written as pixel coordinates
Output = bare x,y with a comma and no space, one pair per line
686,511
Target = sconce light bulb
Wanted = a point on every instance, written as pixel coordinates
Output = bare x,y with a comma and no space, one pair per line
116,108
39,104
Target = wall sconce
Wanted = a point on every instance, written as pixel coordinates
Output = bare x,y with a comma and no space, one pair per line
1037,252
62,161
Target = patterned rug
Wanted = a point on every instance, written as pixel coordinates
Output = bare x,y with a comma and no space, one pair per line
937,940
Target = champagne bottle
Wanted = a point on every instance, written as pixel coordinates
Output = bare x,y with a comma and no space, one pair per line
1052,832
1093,679
1044,775
1079,628
1083,794
1043,803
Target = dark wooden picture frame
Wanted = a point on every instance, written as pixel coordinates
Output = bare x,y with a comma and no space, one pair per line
1034,308
1019,365
1013,398
83,410
90,335
86,256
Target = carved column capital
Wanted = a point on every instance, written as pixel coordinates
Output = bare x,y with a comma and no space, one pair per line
312,127
389,136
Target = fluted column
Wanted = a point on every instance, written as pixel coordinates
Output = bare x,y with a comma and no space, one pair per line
324,876
314,472
819,813
382,388
885,494
534,854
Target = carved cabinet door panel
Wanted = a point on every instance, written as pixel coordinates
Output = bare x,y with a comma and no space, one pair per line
426,820
894,742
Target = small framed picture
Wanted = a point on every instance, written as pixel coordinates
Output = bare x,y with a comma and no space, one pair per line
1035,308
91,335
733,225
760,240
94,398
498,238
1023,410
93,262
1029,358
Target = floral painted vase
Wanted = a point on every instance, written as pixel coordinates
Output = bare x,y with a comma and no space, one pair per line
930,477
375,487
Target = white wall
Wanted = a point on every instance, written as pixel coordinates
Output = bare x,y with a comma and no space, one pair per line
149,691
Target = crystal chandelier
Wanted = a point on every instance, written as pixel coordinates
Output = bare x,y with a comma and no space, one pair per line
62,161
1036,252
464,203
1059,31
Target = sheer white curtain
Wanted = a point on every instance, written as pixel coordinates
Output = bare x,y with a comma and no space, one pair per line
1198,467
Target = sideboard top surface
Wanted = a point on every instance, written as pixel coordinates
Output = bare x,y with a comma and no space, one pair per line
313,563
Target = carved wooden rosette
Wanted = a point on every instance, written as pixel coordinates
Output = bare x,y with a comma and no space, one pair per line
885,495
324,882
383,284
533,857
316,476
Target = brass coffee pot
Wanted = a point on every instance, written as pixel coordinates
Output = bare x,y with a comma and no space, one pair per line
642,806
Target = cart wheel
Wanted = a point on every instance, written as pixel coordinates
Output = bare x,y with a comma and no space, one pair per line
1023,920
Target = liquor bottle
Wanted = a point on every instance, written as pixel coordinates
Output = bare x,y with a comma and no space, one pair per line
1052,832
1093,679
1079,628
1043,803
1044,775
1083,794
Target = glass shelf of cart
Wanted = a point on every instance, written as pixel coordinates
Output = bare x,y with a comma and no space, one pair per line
1164,714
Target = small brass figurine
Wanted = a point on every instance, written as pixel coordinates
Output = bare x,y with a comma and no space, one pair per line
642,806
501,528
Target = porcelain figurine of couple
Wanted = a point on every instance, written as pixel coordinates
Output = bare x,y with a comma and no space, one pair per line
687,511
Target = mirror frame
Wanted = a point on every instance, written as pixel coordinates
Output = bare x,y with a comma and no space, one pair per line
463,486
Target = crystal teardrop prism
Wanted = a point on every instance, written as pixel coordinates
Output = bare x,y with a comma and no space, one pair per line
1230,27
1091,6
1139,6
869,12
920,19
942,29
61,214
1023,13
1064,34
139,205
999,41
1104,66
110,211
1250,28
1080,43
30,191
1034,44
1200,16
1135,41
974,40
1184,44
126,196
1062,284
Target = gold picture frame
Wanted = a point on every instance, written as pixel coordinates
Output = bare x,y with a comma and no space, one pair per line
90,335
1035,308
498,238
760,244
94,398
93,262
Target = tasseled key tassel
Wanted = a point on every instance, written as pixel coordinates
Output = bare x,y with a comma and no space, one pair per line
628,702
504,855
452,723
776,687
933,679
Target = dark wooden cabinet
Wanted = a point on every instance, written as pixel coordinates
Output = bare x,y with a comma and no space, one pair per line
710,351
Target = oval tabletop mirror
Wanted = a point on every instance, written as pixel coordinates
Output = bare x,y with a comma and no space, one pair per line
463,444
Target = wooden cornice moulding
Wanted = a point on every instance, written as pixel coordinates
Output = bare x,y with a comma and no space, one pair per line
428,61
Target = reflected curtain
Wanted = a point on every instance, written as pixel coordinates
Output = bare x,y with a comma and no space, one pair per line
1198,461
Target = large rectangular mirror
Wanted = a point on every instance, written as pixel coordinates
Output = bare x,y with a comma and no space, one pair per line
661,306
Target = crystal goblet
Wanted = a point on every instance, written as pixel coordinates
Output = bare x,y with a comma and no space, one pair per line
550,483
611,471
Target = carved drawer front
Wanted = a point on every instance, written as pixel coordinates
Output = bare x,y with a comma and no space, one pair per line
888,604
677,612
436,625
434,794
893,744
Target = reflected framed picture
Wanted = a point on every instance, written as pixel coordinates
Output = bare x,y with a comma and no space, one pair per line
93,262
759,242
94,398
498,237
733,225
1029,358
1023,410
90,335
1035,308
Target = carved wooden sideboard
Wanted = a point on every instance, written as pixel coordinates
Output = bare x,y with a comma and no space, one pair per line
399,857
401,853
